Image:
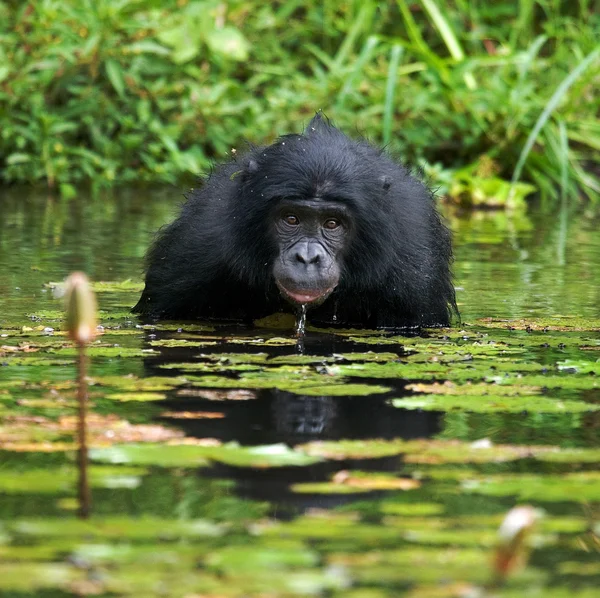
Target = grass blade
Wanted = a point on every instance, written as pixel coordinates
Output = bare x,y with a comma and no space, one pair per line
362,22
564,158
419,44
561,248
357,68
390,88
551,105
449,37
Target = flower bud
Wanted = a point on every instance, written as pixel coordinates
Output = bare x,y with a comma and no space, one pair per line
512,550
80,304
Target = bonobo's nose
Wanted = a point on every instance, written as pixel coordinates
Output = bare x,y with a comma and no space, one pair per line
308,253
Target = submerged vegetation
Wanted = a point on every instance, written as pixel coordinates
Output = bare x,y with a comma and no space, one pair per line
479,94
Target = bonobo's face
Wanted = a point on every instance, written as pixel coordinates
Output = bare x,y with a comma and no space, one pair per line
311,236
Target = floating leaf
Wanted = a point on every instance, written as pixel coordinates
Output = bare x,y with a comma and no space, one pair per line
276,455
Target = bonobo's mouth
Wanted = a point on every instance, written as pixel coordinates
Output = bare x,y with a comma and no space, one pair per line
305,296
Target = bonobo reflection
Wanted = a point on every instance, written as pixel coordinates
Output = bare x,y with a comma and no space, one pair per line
274,416
315,219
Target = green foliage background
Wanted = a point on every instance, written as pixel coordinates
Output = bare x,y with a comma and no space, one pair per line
478,93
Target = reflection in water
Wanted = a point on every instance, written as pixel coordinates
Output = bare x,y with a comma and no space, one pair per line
303,416
506,263
275,416
43,238
300,418
268,416
272,416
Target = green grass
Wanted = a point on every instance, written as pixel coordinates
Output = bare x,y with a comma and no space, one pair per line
482,95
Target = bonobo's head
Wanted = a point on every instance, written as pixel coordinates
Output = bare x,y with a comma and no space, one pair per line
321,197
305,188
311,235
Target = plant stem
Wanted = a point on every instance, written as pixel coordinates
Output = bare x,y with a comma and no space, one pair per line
84,488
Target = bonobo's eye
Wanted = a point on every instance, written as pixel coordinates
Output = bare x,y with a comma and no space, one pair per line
331,224
291,220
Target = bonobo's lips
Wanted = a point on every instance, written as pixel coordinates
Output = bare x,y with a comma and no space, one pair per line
305,296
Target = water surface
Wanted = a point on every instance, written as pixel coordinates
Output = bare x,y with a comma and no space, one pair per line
227,462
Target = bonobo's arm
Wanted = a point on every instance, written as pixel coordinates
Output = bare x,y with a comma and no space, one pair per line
174,280
184,261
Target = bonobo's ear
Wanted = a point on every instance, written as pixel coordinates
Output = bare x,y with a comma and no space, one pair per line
318,123
386,182
250,168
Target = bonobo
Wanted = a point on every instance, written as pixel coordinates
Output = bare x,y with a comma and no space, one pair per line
315,219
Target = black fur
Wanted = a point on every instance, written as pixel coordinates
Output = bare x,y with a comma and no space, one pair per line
216,259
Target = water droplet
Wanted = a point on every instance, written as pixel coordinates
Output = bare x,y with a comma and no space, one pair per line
301,320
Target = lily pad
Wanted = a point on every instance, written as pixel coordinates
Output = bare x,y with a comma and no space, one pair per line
357,482
493,403
276,455
52,481
136,396
572,487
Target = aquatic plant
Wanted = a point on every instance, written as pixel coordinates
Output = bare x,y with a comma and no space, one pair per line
81,326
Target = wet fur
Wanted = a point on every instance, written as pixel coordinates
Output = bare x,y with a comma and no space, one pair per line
215,260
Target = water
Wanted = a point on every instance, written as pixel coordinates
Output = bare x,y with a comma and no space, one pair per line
227,461
301,321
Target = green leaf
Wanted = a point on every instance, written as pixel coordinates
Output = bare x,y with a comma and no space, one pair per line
115,76
18,158
67,191
274,455
229,42
172,37
148,47
185,41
